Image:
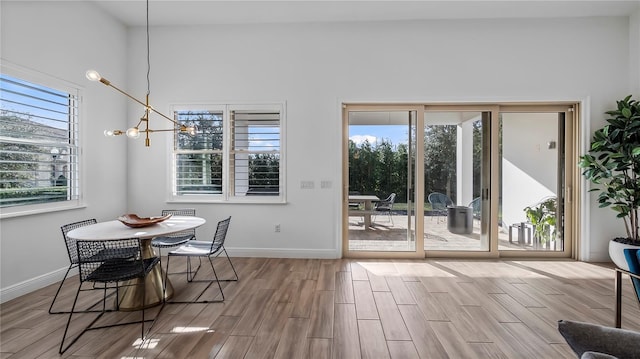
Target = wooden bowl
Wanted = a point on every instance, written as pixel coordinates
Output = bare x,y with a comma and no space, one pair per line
132,220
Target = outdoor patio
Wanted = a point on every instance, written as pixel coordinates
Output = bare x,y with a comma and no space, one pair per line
391,235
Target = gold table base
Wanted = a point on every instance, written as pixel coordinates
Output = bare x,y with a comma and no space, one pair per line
150,288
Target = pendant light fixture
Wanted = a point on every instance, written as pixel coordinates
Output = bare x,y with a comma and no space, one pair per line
143,124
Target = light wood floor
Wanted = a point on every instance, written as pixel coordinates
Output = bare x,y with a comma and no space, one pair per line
310,308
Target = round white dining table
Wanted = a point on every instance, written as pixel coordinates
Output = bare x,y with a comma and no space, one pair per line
135,290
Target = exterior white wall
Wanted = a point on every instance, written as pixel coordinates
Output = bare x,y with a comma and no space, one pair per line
464,165
313,67
63,40
529,167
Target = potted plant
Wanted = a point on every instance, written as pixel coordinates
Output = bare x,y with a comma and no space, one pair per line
542,217
613,165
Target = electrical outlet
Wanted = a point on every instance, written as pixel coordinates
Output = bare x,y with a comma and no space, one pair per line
277,228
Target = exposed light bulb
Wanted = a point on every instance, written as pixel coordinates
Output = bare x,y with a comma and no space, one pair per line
133,132
192,130
108,133
93,75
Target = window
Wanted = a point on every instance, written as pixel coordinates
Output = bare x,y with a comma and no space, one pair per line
235,155
38,145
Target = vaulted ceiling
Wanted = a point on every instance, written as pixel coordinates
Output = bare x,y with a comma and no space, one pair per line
204,12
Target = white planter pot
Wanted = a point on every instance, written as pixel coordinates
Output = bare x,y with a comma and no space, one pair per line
617,255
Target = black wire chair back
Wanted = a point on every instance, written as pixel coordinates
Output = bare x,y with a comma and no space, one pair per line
220,235
71,243
72,252
181,212
178,238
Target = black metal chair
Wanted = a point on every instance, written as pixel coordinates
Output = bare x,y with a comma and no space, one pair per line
176,239
104,262
386,205
73,262
73,255
204,249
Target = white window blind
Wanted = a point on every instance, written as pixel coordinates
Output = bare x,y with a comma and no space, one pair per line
198,159
255,155
38,143
236,153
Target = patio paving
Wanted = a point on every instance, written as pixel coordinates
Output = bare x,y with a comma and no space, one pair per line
384,235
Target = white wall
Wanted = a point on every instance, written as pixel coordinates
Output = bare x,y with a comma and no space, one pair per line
63,40
634,53
313,67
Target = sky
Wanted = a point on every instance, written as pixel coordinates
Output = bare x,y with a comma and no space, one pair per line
37,103
396,134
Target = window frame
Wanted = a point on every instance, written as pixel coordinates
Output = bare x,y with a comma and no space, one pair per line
227,151
45,80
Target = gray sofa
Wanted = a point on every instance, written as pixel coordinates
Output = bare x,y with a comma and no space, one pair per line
592,341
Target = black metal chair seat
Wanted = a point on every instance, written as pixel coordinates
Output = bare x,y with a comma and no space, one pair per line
120,270
168,242
179,238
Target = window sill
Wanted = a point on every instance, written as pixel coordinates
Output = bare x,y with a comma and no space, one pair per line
38,209
246,200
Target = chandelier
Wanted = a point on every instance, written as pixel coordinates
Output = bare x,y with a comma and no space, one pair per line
143,124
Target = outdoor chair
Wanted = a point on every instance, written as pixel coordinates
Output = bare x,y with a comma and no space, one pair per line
439,204
386,205
354,205
209,250
104,262
476,205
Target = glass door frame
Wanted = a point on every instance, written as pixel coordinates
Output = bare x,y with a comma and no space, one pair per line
489,189
418,200
570,181
490,210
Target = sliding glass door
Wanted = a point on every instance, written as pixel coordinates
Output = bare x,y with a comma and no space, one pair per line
380,181
456,180
467,180
535,177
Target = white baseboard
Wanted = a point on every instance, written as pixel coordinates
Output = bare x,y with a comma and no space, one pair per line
598,256
30,285
283,253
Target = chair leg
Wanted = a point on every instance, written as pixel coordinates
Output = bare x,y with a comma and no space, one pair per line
88,310
232,267
190,273
216,276
209,285
166,278
58,292
66,329
210,282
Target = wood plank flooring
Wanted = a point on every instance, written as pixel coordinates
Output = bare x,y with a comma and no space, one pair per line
345,308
